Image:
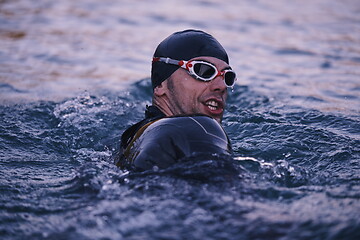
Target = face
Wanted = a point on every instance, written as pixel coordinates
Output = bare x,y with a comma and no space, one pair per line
186,95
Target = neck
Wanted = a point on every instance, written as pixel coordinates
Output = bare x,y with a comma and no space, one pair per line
163,106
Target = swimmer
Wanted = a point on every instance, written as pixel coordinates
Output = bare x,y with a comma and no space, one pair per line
190,75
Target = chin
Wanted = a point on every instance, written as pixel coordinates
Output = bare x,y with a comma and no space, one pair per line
217,118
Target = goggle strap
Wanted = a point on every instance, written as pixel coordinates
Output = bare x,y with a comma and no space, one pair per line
168,61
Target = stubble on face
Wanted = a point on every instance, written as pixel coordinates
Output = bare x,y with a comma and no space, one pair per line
177,106
186,95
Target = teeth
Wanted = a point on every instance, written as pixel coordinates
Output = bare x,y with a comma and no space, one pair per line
212,104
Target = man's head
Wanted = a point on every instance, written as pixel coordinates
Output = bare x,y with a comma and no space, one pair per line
190,74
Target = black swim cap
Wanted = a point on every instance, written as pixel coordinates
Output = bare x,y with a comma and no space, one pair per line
184,45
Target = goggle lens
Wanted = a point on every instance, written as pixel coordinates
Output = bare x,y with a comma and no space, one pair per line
205,71
230,78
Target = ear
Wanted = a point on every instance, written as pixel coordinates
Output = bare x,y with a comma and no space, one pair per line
160,90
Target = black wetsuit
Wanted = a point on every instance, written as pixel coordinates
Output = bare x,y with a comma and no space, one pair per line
162,141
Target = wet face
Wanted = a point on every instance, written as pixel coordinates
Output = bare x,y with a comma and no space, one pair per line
186,95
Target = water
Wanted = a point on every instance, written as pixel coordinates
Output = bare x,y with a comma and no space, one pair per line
75,74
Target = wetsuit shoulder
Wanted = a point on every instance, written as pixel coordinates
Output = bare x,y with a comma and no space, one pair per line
166,141
152,114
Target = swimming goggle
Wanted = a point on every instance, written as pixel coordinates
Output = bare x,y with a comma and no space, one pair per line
201,70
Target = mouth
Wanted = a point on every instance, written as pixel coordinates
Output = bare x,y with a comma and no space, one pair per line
215,107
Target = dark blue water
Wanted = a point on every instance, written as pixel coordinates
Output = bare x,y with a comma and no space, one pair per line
67,93
295,174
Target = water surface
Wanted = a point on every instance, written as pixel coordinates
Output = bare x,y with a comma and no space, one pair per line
75,74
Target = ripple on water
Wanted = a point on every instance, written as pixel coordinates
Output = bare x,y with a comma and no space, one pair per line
67,93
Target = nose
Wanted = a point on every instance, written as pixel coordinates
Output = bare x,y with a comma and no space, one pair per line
218,84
